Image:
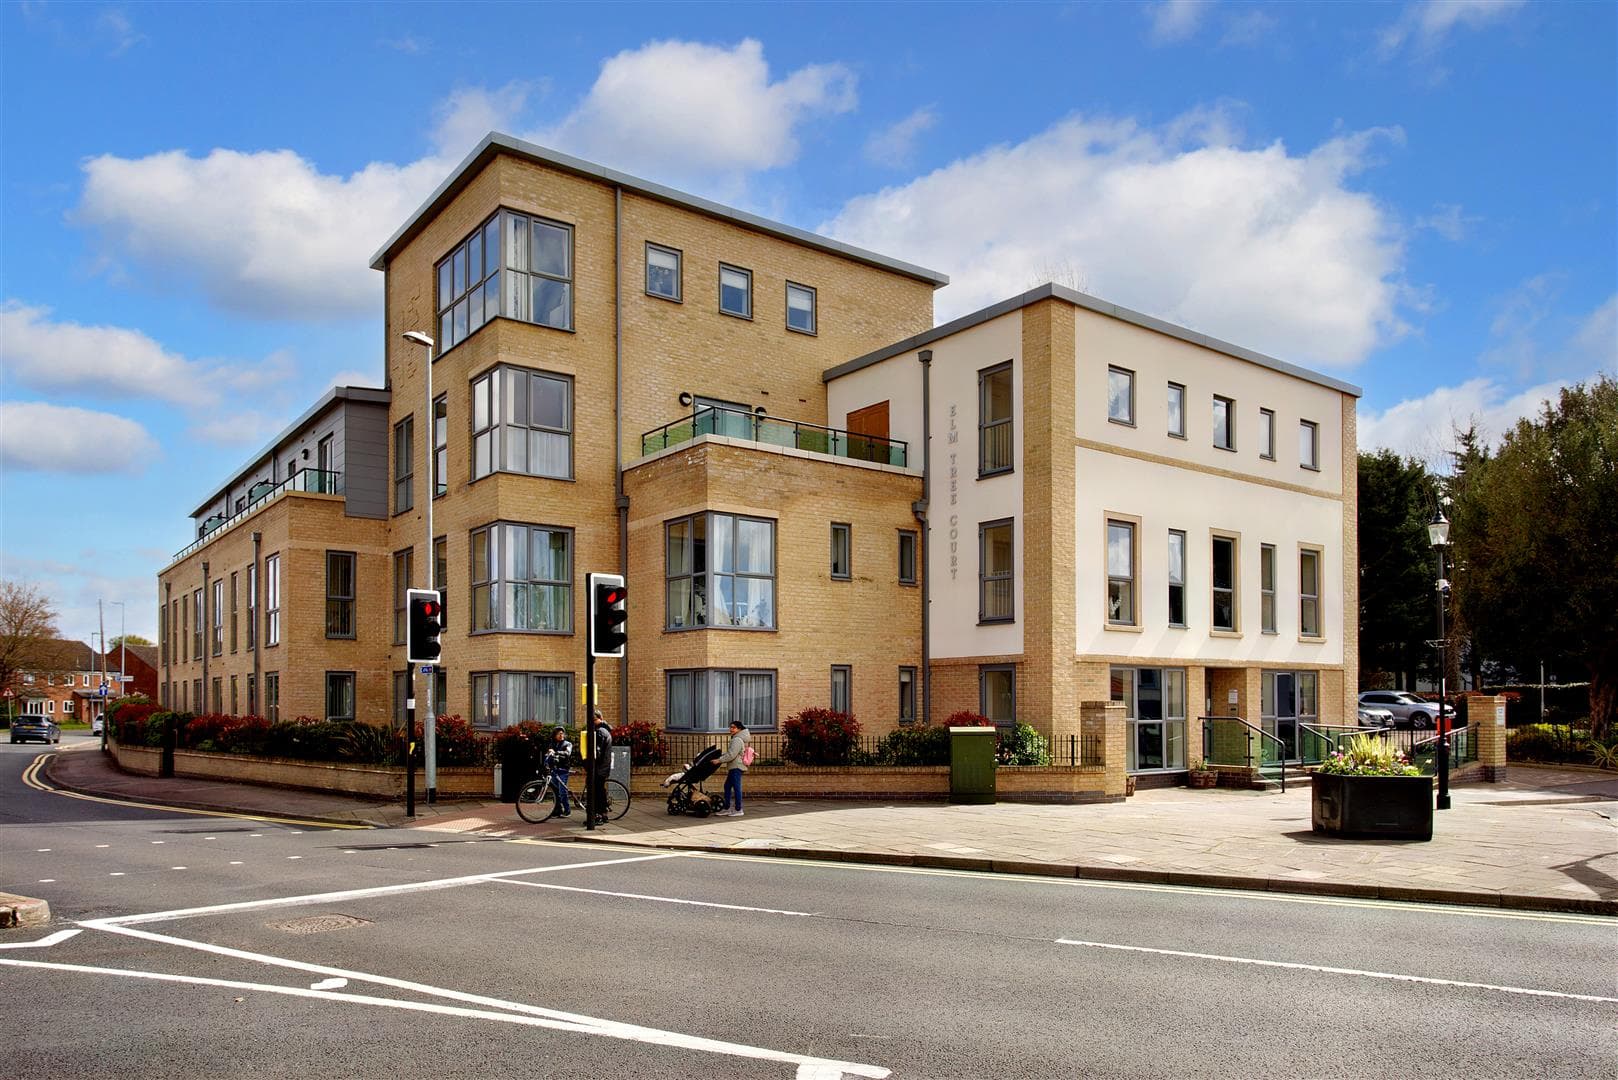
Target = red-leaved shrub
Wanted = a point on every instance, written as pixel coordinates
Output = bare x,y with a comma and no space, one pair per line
818,736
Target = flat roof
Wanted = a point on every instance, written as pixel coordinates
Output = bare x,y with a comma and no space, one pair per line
494,144
367,394
1090,303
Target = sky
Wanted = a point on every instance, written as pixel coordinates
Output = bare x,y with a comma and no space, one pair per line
1417,198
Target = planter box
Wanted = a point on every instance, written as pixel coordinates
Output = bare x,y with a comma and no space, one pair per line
1390,807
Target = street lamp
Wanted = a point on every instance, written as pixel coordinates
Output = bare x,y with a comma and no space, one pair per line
123,644
1438,536
429,723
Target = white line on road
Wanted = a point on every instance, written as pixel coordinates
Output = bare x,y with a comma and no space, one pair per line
1430,981
659,899
42,943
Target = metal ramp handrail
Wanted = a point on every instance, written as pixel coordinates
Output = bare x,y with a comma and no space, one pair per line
1252,729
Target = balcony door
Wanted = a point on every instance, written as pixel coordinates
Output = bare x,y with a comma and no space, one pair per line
872,423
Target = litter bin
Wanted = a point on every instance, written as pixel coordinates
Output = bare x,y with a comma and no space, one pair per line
971,765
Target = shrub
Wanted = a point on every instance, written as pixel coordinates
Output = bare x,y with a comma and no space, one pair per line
645,741
913,746
202,732
130,714
305,738
368,744
522,746
967,718
244,735
1022,745
1547,742
459,743
1367,755
820,737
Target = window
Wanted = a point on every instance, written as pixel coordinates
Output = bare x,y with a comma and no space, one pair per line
404,496
719,570
67,705
163,634
1121,396
441,580
736,291
1309,444
708,699
272,603
235,702
234,620
501,699
252,696
515,266
339,594
842,543
1176,410
994,420
196,696
1266,434
1176,577
800,308
252,606
997,693
522,422
217,621
842,688
1309,592
197,617
184,620
663,272
440,445
1121,573
216,689
907,557
402,570
86,679
1154,715
1224,423
907,695
522,578
995,572
339,695
1266,588
50,706
1224,583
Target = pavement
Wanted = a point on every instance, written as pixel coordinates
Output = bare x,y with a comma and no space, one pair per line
1543,839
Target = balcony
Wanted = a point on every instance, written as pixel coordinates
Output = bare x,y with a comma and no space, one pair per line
311,481
774,431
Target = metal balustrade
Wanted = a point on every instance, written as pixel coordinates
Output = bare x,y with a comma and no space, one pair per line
311,481
774,431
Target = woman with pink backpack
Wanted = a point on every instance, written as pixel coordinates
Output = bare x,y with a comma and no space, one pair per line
737,757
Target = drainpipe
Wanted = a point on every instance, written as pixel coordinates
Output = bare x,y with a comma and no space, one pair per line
920,510
620,500
258,678
207,637
168,652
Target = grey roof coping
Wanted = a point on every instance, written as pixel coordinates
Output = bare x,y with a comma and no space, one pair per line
367,394
494,143
1090,303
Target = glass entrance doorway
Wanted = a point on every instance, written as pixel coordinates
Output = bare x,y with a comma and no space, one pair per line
1154,711
1290,699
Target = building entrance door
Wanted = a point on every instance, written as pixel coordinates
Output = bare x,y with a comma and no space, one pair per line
1289,702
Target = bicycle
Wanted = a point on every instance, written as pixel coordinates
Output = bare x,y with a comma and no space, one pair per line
537,802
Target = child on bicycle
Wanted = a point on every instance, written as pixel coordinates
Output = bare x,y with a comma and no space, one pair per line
557,759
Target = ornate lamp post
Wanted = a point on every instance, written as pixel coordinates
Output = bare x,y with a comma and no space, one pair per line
1438,536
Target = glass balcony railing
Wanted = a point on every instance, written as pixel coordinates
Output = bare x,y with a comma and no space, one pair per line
759,428
313,481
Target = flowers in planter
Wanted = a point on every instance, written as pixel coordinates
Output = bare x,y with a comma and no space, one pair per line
1367,755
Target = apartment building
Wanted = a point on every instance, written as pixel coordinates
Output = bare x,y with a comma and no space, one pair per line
764,431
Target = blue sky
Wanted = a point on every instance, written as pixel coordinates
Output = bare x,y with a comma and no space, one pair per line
1415,197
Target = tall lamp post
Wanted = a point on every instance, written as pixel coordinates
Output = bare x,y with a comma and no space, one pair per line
123,633
1438,536
429,722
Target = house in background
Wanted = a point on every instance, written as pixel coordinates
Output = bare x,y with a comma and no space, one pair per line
67,686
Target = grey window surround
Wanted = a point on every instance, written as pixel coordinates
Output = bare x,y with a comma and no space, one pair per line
1177,567
441,579
1309,623
1227,590
702,691
1155,715
985,672
272,696
747,291
814,308
842,688
440,462
991,443
907,694
340,594
508,277
404,465
844,532
1177,432
235,613
489,697
988,581
678,295
340,691
909,555
217,620
1309,445
252,606
704,581
272,600
489,593
1266,434
492,433
1128,419
1227,431
198,616
1123,604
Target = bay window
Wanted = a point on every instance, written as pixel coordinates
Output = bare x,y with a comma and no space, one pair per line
719,570
514,266
522,422
503,698
708,699
522,579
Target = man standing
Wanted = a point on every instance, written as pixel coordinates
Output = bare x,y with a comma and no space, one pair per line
600,765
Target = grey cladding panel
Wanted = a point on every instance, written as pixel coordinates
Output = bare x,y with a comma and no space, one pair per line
365,480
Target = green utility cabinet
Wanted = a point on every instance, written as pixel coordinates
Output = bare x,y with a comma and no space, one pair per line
971,764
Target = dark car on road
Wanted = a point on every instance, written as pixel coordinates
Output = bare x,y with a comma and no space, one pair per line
42,728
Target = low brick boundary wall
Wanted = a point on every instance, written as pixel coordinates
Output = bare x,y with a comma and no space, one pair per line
1054,784
377,781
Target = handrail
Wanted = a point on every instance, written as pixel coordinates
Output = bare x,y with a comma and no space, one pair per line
1280,757
837,442
312,481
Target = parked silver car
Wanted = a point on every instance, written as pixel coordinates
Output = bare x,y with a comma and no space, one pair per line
43,728
1409,711
1374,716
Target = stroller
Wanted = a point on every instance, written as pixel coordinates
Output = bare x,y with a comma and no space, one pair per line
685,796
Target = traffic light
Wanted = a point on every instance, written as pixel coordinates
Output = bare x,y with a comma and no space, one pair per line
426,623
609,615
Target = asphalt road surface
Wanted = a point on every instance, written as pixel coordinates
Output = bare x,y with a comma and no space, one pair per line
188,944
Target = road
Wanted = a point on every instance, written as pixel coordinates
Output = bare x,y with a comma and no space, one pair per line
199,945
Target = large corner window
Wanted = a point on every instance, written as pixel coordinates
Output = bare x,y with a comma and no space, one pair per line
1224,583
522,422
339,594
709,699
1154,716
997,693
522,579
994,420
501,699
513,265
996,572
719,570
404,466
1121,573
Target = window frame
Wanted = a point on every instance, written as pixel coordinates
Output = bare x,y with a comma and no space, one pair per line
1266,433
1313,430
439,463
1318,553
441,579
1266,593
404,465
720,298
1230,424
1215,537
198,615
493,691
252,607
846,672
1008,421
679,272
984,670
907,693
401,593
272,602
710,575
353,696
814,309
914,539
1174,388
235,614
846,531
496,584
702,723
350,598
272,696
498,427
1009,575
216,620
1184,584
1129,375
446,339
1133,524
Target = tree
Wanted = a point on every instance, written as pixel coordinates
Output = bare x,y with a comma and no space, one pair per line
127,639
1397,567
27,631
1534,530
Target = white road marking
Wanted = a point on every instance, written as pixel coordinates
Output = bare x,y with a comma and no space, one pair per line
527,1015
42,943
329,984
159,841
294,856
210,837
659,899
1428,980
46,881
42,850
176,868
116,873
103,845
235,862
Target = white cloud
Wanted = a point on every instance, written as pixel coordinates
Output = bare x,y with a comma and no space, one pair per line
895,146
1597,336
469,113
1424,26
114,361
691,110
1425,427
1260,246
1248,27
119,30
1175,20
75,588
355,377
36,437
1448,221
